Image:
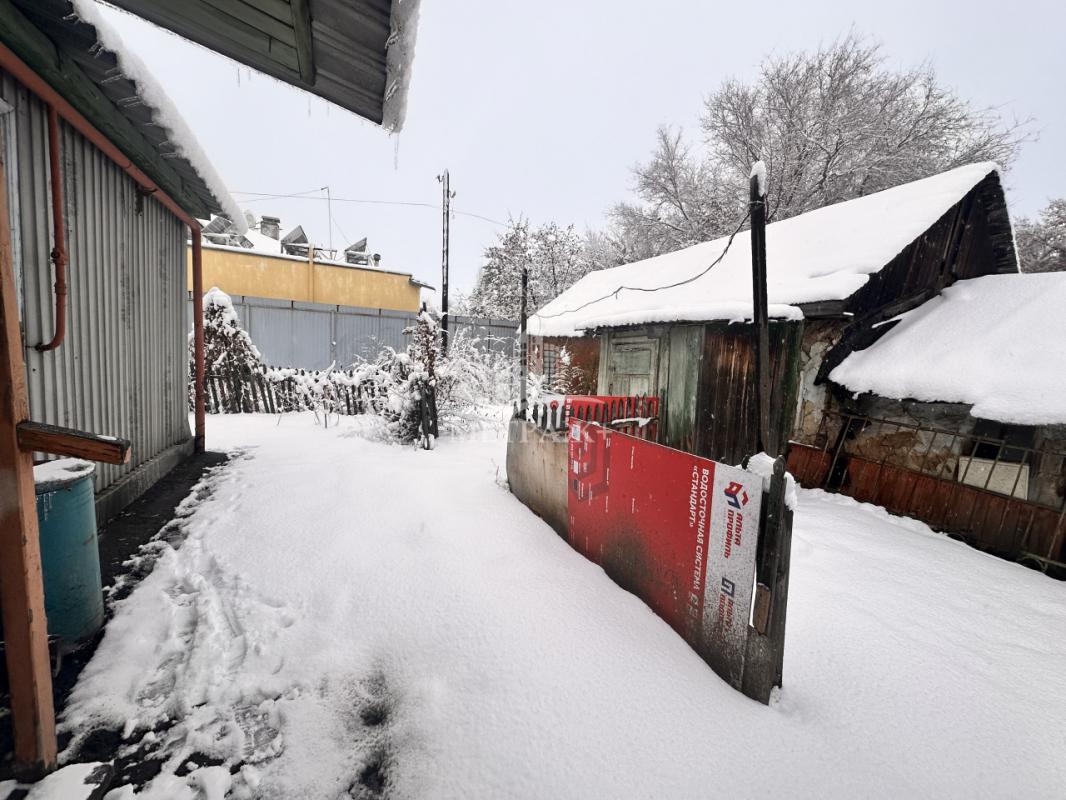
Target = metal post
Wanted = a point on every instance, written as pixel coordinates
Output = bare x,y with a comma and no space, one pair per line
523,348
329,213
200,439
760,313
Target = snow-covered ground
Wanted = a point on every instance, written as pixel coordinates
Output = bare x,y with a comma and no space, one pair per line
344,608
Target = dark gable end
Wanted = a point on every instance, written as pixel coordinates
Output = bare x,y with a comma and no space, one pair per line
973,238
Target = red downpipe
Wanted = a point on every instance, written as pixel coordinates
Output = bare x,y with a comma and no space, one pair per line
198,336
59,248
57,104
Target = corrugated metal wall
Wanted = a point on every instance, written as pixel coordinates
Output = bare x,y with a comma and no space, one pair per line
314,335
122,368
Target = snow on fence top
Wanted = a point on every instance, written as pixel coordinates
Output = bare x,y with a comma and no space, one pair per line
997,342
165,113
825,254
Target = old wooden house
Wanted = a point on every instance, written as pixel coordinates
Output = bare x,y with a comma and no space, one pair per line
676,325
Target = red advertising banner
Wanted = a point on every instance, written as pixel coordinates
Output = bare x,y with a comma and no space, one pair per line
677,530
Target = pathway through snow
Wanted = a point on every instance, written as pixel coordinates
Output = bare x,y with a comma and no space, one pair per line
351,618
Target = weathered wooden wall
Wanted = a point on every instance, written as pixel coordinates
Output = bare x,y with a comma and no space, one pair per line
685,345
726,425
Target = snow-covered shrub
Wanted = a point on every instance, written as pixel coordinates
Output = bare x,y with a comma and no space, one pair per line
467,385
472,380
406,378
228,349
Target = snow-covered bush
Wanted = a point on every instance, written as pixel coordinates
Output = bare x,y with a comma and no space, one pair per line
466,386
228,349
463,389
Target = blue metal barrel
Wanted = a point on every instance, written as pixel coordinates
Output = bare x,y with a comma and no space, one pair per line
70,558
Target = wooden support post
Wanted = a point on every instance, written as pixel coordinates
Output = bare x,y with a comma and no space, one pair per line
21,584
760,311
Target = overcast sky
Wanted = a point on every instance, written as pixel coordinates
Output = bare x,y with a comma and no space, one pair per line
541,109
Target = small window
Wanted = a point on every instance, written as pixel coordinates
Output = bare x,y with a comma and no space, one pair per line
550,356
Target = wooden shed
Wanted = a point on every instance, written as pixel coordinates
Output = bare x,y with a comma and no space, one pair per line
956,415
677,325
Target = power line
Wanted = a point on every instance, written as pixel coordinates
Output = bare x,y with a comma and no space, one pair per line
258,197
674,285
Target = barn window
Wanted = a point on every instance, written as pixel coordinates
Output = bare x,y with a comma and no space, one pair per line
998,458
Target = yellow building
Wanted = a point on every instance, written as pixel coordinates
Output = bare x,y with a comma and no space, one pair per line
307,278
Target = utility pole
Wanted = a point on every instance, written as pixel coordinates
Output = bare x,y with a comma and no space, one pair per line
446,206
329,211
757,206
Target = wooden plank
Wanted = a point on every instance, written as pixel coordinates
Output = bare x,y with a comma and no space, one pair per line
253,392
229,13
301,23
21,584
37,436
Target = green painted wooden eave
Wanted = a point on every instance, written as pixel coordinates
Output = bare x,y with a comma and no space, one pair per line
45,57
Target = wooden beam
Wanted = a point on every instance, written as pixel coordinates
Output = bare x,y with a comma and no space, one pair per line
21,584
37,436
301,24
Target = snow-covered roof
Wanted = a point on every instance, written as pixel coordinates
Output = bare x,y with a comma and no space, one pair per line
826,254
177,136
997,342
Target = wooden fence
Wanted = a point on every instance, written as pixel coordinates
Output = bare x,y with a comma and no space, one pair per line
994,494
274,391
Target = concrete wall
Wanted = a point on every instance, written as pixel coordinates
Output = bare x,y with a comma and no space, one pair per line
246,272
536,472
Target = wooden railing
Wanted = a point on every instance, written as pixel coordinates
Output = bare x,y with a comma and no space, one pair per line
637,416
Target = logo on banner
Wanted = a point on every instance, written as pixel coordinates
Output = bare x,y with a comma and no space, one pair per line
735,495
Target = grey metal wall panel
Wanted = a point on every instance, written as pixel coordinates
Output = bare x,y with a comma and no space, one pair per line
498,336
286,337
122,367
312,335
358,336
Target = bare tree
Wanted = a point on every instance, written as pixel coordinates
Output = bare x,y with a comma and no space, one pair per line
555,257
1042,241
830,125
